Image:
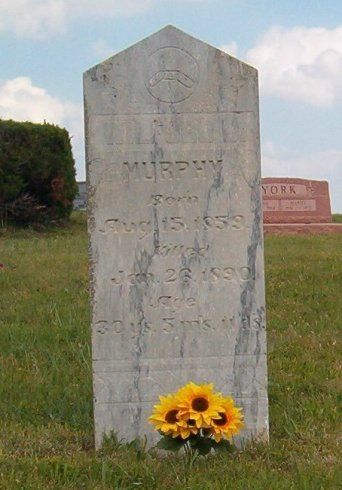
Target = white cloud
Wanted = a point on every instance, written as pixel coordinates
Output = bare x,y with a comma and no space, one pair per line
106,8
320,165
300,63
32,18
43,18
22,101
102,49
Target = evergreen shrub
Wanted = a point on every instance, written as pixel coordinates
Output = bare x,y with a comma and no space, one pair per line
37,173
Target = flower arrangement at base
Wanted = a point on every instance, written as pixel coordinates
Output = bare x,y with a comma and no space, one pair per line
197,419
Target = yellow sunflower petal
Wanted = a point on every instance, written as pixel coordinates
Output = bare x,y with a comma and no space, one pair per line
229,421
199,402
165,415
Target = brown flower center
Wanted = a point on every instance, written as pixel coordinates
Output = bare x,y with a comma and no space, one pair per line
206,432
200,404
171,416
222,420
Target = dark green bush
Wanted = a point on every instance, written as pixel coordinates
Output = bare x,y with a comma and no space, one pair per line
37,173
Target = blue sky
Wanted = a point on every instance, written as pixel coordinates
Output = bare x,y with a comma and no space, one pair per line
46,45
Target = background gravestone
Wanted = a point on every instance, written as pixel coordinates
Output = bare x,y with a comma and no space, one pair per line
293,205
80,201
175,221
293,200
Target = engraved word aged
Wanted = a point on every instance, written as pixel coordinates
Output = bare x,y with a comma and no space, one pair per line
169,302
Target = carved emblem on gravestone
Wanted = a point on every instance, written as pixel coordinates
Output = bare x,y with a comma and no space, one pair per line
172,74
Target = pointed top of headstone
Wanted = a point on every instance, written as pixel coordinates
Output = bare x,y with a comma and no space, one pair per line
175,37
178,34
171,68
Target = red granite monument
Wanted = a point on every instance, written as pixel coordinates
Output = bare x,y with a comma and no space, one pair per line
293,205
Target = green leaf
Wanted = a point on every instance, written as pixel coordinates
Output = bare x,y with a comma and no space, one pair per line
170,444
204,446
223,446
193,441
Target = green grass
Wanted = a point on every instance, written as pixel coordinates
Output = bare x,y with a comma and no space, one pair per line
46,426
337,218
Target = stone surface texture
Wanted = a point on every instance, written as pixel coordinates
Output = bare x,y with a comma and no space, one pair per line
292,200
176,237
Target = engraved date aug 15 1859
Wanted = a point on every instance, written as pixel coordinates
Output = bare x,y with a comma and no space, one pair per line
175,224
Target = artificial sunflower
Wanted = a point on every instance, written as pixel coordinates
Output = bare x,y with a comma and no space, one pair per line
229,421
186,428
165,418
199,403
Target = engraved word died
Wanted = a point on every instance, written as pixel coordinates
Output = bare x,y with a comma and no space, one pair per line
172,74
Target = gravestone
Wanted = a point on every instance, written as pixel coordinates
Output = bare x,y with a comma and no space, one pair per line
293,205
80,201
292,200
175,223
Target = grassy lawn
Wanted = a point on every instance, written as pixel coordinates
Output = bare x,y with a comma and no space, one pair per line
337,218
46,428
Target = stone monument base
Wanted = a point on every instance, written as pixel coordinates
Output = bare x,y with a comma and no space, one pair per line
302,228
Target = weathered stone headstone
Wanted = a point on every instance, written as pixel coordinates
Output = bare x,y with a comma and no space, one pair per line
175,221
80,201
